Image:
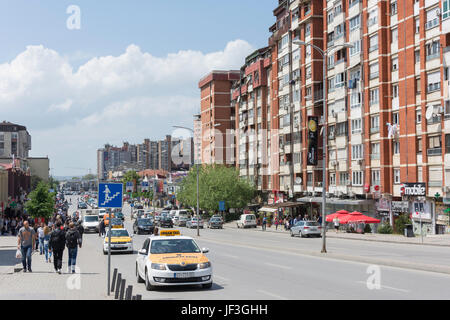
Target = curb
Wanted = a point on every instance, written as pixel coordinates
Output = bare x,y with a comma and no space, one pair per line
373,240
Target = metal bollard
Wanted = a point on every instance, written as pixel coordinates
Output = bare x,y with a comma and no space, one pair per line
129,293
119,282
138,297
122,289
113,283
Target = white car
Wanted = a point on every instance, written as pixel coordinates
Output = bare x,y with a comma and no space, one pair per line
90,223
121,241
247,221
172,260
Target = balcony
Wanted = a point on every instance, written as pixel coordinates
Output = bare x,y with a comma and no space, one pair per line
375,156
431,24
434,152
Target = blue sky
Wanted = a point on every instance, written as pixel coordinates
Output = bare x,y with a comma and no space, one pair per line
129,73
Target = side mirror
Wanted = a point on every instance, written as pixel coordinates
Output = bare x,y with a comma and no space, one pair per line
142,251
205,250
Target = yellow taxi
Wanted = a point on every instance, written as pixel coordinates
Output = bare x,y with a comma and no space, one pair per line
121,241
171,259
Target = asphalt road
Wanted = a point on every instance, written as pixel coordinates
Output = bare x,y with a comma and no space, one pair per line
251,264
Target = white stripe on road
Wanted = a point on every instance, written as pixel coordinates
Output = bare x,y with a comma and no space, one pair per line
273,295
277,266
387,287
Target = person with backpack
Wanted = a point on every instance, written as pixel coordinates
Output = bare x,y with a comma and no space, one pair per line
57,244
80,228
73,240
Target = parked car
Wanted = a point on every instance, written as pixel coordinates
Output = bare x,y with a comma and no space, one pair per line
215,222
143,225
306,229
247,221
165,222
82,205
192,223
181,221
119,215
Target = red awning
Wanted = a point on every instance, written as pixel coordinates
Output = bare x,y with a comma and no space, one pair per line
357,217
340,214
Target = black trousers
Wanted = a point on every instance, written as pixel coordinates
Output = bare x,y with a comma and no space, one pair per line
57,258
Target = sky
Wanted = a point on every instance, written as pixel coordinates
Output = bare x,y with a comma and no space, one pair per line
117,71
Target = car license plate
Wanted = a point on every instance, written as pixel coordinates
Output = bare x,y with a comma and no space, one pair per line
314,229
183,275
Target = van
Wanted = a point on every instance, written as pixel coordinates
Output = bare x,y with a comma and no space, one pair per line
90,222
101,213
247,220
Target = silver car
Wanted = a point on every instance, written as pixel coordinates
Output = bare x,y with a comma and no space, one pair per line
193,223
306,229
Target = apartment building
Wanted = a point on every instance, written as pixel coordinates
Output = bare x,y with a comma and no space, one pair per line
218,117
14,140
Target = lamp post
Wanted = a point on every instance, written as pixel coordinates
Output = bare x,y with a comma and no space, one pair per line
324,55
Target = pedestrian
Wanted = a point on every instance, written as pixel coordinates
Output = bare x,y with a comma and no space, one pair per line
48,254
155,231
56,245
80,228
73,240
101,228
26,242
2,224
13,226
40,233
336,224
7,222
276,223
264,223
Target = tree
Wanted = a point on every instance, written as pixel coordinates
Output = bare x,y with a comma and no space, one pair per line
35,181
89,177
41,203
216,183
130,176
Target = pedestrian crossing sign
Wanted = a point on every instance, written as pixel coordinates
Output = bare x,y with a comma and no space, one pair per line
110,195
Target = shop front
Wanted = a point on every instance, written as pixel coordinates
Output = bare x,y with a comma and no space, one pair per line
442,210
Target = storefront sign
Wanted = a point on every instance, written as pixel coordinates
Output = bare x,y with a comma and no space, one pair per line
400,206
421,215
414,189
313,124
383,205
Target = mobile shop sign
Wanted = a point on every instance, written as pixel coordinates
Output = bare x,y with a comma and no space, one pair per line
311,158
414,189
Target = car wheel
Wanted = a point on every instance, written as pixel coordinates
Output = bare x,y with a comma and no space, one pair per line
105,253
237,225
148,286
134,231
301,235
207,285
138,277
292,234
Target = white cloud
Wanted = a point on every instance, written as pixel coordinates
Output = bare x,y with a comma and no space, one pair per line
107,99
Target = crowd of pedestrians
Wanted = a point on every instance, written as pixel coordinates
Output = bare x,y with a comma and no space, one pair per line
48,238
287,222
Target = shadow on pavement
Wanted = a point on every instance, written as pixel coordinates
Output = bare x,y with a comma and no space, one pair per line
189,288
8,257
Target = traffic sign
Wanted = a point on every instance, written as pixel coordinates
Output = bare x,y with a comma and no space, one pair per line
221,205
110,195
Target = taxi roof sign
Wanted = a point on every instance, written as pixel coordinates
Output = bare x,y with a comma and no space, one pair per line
169,233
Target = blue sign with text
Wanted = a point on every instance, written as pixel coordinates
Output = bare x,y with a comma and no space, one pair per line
221,205
110,195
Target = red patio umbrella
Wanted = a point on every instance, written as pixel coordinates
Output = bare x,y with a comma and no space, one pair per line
358,217
340,214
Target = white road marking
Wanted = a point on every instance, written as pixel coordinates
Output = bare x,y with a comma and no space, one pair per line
277,266
387,287
272,295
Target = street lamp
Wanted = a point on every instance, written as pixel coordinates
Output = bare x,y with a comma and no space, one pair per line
324,55
196,164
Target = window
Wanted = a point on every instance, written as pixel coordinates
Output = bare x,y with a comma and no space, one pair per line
418,116
308,72
394,64
374,124
307,8
308,30
338,9
447,143
339,80
341,129
295,13
432,18
356,125
309,178
308,51
393,7
435,146
396,176
395,91
308,93
417,25
355,100
330,38
376,177
339,31
373,43
355,22
417,56
447,109
331,84
357,178
333,179
445,9
343,178
432,50
394,35
357,152
356,48
418,86
434,81
373,17
296,55
373,70
284,42
330,16
375,150
419,145
396,145
395,118
374,96
331,61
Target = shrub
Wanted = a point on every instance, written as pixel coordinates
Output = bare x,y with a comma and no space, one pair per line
401,222
367,229
385,228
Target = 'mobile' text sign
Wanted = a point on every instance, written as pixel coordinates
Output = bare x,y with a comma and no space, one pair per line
414,189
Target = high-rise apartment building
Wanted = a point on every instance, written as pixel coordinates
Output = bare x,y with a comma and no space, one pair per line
14,141
218,117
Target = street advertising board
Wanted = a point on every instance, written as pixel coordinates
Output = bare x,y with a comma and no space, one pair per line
383,204
400,206
129,186
145,186
221,205
421,210
414,189
313,135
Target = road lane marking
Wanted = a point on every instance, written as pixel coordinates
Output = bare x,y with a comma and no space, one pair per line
277,266
387,287
272,295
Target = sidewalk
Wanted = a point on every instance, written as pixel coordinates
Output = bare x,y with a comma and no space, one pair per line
433,240
8,247
44,283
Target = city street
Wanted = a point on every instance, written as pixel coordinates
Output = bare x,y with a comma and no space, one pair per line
252,264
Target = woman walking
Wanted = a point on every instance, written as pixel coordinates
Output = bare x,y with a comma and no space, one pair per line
48,254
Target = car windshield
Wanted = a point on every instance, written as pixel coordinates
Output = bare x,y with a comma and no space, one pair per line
174,246
250,217
216,220
312,224
145,222
91,218
116,221
119,233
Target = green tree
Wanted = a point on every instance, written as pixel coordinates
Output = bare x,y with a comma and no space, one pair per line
41,203
401,222
35,181
216,183
130,176
89,177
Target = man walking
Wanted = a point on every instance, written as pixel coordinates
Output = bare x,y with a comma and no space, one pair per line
57,244
25,242
73,240
101,228
264,223
40,232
